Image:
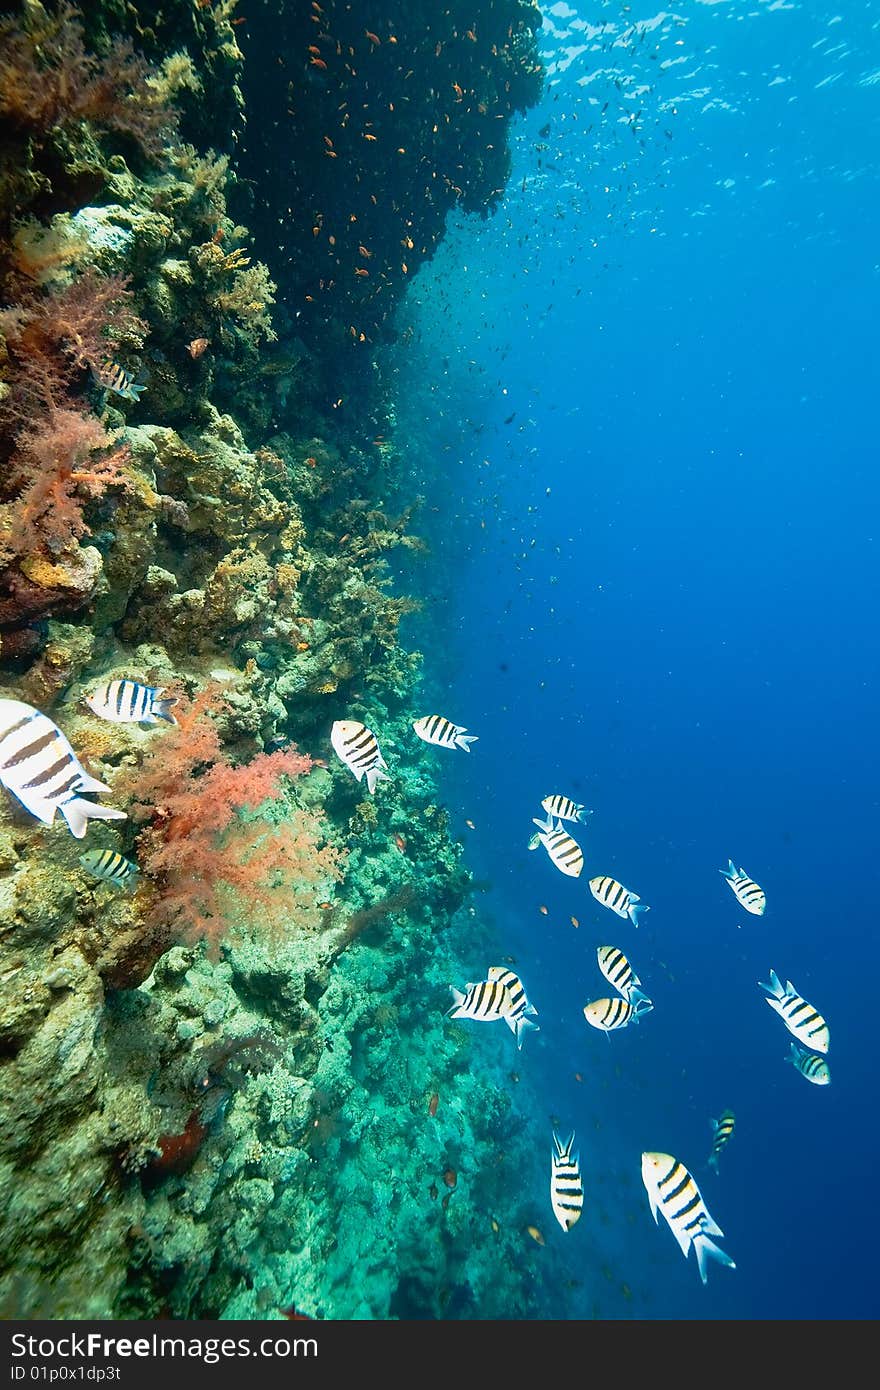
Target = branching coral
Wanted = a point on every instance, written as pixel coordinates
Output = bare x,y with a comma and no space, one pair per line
211,858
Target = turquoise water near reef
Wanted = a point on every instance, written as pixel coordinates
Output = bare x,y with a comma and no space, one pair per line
643,398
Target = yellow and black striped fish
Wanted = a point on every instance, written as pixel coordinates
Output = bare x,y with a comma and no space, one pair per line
610,893
518,1016
814,1068
565,852
108,865
799,1017
356,746
722,1130
672,1190
487,1000
434,728
619,973
746,891
115,378
38,765
129,702
608,1014
563,808
566,1187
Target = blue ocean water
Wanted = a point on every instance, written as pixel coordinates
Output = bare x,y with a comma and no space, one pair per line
644,392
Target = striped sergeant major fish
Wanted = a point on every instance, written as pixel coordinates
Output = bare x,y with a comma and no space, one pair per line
722,1130
114,378
609,1014
814,1068
610,893
487,1000
566,1187
563,808
520,1013
356,746
799,1017
129,702
433,728
745,890
565,852
38,765
619,973
672,1190
108,865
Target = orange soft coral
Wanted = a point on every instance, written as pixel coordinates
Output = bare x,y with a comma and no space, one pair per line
211,857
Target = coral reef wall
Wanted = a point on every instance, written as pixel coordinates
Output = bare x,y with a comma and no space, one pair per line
217,1073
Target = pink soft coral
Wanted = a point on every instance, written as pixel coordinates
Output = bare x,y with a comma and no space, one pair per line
209,853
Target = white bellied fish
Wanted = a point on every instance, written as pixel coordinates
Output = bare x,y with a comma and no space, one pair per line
563,808
745,889
814,1068
610,893
565,852
520,1014
108,865
609,1014
355,745
486,1000
799,1017
566,1186
129,702
38,765
672,1190
434,728
619,974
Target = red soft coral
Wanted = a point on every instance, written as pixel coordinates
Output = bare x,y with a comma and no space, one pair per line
213,857
61,463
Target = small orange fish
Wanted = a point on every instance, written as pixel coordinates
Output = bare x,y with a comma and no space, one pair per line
374,38
292,1312
196,347
362,251
433,1103
470,825
450,1177
324,907
400,841
361,271
371,137
312,462
543,910
318,63
575,922
535,1234
313,49
577,1076
218,236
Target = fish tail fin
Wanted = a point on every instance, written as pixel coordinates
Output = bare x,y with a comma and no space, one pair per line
457,1001
79,812
730,871
464,741
635,911
161,709
712,1162
774,989
374,774
522,1023
545,825
642,1006
637,997
581,814
704,1249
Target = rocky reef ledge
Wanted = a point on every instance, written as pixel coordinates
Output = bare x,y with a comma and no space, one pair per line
227,1082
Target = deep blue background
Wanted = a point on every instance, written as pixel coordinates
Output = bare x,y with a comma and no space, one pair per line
655,589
